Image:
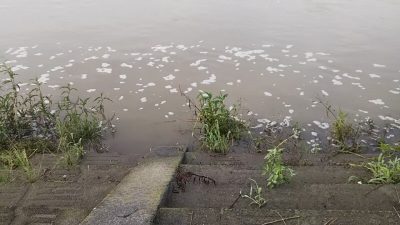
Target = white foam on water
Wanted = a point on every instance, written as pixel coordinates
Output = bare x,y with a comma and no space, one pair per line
122,76
53,86
377,101
372,75
91,58
90,90
104,70
350,77
263,120
161,48
169,77
266,93
248,54
336,82
222,57
44,78
358,85
151,84
211,79
321,125
389,119
324,93
57,68
201,68
378,65
126,65
143,100
197,63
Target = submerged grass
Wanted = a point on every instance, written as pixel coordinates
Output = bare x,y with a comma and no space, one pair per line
219,125
32,122
345,135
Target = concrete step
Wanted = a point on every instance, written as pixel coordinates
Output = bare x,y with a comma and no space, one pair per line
288,196
137,197
256,160
6,215
304,174
251,216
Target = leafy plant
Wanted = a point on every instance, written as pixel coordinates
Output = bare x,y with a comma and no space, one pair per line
344,134
31,121
255,195
219,126
275,170
385,169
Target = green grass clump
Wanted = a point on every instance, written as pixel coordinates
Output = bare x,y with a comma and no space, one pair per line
385,169
274,169
344,134
18,158
80,129
220,126
72,152
32,122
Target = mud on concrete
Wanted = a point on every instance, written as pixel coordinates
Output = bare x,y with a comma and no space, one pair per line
318,194
61,196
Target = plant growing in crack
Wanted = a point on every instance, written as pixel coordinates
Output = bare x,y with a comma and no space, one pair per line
254,195
275,170
385,169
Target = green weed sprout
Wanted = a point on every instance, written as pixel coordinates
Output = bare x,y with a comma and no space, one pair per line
255,195
275,170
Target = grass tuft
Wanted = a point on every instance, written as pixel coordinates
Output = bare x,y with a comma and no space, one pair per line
219,125
385,169
32,122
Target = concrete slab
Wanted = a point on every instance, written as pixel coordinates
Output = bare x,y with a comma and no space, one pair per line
136,199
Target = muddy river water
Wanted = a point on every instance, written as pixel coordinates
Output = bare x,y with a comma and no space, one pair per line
276,56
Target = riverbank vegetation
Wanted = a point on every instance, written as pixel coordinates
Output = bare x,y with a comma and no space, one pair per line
32,122
218,125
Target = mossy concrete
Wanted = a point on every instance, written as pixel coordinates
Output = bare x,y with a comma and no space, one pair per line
137,198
